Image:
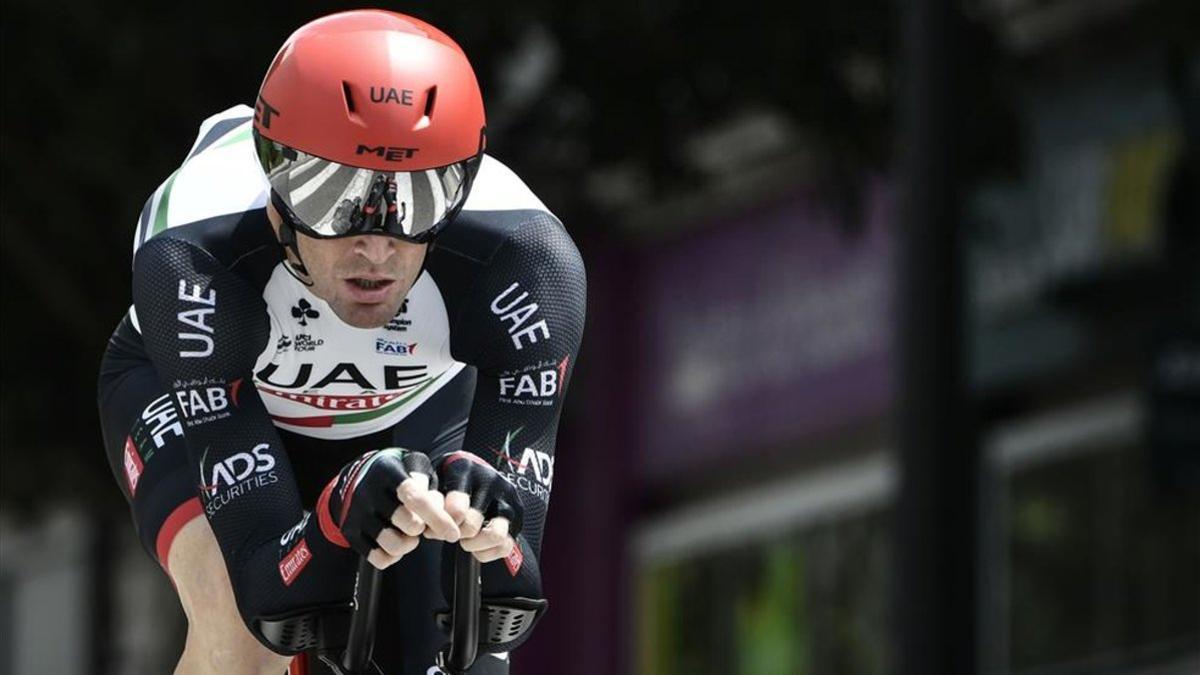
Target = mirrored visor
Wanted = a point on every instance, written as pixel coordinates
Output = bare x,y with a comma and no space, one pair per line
328,199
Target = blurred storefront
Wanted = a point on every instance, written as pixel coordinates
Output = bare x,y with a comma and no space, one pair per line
760,452
767,378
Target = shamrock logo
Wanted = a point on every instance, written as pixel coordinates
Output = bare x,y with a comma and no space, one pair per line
304,311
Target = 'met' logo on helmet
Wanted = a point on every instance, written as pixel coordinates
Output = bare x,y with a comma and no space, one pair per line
263,112
390,153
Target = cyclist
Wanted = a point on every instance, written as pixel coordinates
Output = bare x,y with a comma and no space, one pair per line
340,272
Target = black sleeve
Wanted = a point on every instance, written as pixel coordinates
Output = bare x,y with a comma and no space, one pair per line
204,328
521,329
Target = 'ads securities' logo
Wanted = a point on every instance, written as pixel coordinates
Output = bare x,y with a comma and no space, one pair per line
234,476
533,472
207,401
539,384
394,347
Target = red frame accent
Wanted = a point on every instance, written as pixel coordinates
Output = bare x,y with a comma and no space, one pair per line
299,665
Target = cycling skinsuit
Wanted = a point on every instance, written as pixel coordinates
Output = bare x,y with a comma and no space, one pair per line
231,391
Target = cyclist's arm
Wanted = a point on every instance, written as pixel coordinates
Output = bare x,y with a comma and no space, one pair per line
522,329
204,328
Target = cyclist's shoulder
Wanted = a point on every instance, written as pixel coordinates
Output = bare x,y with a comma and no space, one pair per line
501,209
222,127
498,188
218,185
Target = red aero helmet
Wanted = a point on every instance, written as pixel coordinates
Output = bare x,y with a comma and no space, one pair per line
345,85
369,122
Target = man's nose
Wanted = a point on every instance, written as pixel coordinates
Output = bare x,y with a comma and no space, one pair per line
375,248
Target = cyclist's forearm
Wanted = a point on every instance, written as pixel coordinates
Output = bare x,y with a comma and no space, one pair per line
203,337
521,390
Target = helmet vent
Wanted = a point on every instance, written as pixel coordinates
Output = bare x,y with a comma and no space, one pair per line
430,98
349,97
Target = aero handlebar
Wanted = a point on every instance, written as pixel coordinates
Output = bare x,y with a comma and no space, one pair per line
360,641
460,654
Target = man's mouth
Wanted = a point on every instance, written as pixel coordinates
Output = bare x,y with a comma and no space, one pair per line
370,284
369,290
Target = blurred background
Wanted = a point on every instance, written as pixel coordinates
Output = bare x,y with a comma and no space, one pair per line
879,299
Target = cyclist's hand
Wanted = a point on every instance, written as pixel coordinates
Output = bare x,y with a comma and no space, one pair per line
483,504
381,503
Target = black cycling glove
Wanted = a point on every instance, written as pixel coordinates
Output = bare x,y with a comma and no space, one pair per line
358,503
490,491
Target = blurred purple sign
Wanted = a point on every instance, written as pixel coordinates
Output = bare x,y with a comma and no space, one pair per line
766,329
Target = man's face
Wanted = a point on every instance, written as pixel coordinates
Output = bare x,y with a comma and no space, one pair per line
365,278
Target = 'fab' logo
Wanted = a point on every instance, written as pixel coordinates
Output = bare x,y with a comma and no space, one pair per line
544,386
207,400
394,347
538,385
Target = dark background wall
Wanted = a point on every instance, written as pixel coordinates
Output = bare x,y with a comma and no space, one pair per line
668,135
102,100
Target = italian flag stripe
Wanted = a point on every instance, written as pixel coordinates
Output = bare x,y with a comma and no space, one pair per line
234,135
160,215
237,137
321,421
352,418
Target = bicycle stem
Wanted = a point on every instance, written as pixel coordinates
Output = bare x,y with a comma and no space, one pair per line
457,657
360,641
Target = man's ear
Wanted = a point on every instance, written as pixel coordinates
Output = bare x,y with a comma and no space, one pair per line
274,218
288,241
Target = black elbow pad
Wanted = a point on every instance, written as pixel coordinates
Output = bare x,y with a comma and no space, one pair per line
512,599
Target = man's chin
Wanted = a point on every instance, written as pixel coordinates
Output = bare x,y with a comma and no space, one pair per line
359,315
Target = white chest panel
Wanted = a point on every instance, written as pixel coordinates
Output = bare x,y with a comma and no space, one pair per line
318,376
323,378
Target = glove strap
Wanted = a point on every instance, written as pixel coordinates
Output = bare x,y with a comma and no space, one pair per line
328,528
